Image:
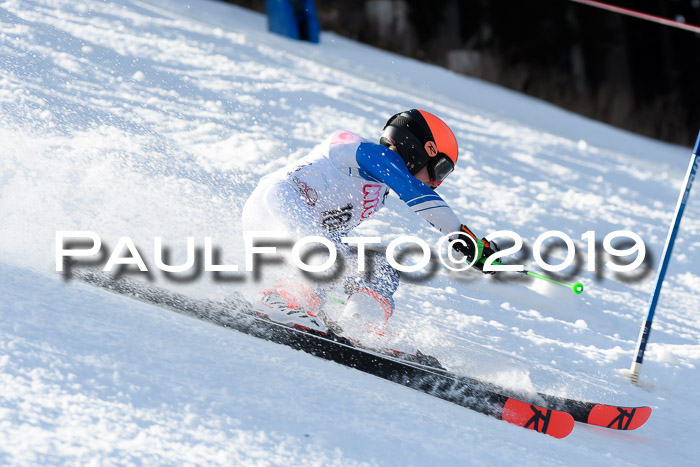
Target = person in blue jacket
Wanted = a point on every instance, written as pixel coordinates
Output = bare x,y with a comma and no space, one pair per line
342,182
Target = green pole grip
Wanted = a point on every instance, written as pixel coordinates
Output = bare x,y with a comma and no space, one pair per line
576,288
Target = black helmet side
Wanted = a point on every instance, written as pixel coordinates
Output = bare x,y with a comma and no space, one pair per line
421,138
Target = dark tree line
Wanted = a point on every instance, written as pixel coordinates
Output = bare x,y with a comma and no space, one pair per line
631,73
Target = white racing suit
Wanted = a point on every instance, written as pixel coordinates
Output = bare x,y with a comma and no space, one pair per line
341,183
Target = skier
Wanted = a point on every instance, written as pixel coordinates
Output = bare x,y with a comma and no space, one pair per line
341,183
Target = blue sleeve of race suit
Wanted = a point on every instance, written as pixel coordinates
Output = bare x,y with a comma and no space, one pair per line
384,165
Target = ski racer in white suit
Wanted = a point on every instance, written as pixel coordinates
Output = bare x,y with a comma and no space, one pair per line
342,182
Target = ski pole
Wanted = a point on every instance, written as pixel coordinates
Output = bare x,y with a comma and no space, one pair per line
693,167
576,288
336,299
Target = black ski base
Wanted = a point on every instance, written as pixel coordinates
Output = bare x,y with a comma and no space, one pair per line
420,372
237,314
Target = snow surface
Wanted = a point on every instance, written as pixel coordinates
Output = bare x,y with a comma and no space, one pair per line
145,119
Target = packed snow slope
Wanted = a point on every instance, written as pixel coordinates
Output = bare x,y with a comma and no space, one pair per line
155,119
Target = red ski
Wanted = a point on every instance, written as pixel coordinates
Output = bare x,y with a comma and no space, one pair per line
420,372
618,418
551,422
608,416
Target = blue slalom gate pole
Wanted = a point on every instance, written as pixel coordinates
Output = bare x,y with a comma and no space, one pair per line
665,257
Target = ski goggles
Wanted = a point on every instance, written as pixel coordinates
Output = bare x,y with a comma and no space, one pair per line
439,167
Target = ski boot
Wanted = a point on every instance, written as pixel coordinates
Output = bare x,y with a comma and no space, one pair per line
364,319
297,309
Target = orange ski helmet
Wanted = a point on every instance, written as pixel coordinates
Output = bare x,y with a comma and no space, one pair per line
422,139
